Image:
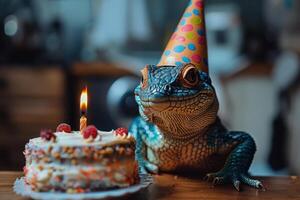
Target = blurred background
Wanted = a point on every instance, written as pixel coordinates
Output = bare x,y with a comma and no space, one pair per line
50,49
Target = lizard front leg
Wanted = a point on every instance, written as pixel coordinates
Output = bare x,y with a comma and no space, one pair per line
137,128
238,162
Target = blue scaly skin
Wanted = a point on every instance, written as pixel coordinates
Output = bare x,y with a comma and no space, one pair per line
179,130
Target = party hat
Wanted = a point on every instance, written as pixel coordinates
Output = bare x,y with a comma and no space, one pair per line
188,42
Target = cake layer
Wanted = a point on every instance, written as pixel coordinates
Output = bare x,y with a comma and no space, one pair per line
81,178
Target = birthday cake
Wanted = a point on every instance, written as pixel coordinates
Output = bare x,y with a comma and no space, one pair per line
77,162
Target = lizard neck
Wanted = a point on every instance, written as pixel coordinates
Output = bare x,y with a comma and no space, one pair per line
186,125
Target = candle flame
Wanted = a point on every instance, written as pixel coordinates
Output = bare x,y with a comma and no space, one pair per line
84,100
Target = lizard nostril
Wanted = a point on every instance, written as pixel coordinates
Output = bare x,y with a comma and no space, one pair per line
168,88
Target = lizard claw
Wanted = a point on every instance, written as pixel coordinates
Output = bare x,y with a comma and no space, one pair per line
252,182
151,168
206,177
142,170
217,180
209,177
261,186
236,184
235,177
146,167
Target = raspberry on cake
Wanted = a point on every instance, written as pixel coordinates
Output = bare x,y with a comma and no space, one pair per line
70,164
121,131
48,135
90,133
63,127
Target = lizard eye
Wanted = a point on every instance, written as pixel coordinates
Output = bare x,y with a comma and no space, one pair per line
189,76
144,79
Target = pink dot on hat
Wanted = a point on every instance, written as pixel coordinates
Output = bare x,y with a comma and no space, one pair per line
201,40
187,28
180,38
196,58
199,4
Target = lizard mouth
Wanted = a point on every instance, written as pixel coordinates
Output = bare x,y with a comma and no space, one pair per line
162,103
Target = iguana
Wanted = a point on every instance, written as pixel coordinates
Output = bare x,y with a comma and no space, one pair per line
179,130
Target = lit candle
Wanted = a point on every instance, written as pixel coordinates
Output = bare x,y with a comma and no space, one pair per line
83,108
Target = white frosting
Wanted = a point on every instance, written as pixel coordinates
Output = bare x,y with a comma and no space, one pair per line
76,139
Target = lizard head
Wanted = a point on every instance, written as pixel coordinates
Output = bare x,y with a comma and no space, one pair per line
180,100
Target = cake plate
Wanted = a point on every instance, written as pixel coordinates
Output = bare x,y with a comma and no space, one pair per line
23,189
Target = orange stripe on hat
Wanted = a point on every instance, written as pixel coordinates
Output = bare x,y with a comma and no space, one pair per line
188,42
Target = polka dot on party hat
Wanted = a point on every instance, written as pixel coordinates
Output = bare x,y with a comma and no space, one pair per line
188,42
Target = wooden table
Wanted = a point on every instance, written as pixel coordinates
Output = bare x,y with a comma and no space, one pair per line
173,187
